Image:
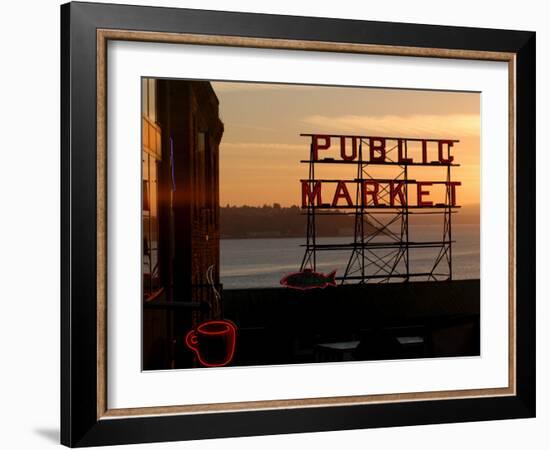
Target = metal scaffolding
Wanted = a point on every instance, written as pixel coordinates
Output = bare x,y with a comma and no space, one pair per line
381,249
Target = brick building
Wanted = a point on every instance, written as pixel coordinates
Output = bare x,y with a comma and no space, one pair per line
181,135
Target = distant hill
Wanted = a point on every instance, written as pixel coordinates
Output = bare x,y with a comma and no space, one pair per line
277,221
274,221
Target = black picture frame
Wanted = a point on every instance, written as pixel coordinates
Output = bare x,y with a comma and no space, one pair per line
80,425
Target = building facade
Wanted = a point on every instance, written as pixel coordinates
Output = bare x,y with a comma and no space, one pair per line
181,257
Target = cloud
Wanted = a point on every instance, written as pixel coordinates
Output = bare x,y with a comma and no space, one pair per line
452,126
262,146
236,86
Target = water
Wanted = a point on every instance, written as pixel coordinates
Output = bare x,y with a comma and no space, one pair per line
254,263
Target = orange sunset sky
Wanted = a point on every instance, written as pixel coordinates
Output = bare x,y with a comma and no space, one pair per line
261,148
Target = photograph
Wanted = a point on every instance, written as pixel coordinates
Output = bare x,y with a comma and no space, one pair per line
288,221
307,224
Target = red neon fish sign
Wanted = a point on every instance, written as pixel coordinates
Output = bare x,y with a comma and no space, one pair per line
307,279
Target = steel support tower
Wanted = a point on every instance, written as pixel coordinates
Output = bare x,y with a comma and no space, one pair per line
381,248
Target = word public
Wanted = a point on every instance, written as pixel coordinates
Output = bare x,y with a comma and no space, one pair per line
378,149
373,192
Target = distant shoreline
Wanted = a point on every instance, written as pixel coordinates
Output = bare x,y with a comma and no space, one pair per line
278,222
303,236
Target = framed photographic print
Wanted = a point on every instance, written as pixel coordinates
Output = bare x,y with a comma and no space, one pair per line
276,224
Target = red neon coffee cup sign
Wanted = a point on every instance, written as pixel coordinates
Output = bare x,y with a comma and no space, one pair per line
213,342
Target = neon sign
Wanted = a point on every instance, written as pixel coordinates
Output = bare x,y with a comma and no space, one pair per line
336,149
308,279
213,342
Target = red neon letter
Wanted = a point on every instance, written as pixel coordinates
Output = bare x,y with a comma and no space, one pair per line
453,185
440,152
396,189
341,192
343,149
377,145
366,192
308,197
421,193
315,146
400,158
424,152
